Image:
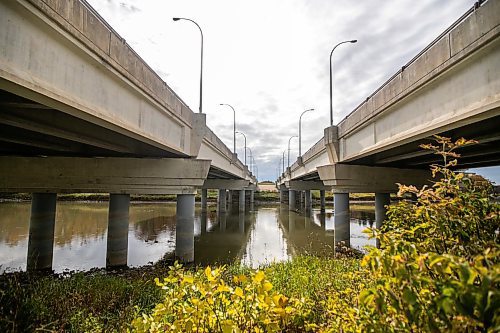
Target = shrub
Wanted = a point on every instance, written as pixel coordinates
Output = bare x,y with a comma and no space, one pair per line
203,301
438,265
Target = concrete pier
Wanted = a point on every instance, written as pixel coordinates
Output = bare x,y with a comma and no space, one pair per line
118,219
301,199
184,229
204,197
221,201
252,196
203,223
242,201
307,201
341,217
291,200
322,200
41,232
381,200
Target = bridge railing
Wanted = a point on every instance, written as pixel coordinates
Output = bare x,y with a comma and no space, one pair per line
368,106
88,27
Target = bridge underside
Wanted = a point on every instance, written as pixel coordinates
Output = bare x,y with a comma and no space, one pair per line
485,153
28,128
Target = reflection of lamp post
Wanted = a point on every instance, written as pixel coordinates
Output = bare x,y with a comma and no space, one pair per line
289,149
245,146
234,128
331,86
201,66
300,136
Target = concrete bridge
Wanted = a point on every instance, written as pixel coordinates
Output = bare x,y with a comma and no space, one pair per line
82,112
451,88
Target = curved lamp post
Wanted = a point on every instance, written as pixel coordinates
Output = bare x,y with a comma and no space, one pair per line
294,136
245,146
234,128
201,66
300,130
331,85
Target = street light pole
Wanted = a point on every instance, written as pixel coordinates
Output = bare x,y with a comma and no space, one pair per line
234,128
245,146
201,65
300,130
251,159
283,161
331,85
294,136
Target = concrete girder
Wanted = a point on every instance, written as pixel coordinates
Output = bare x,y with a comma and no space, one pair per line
227,184
303,185
102,175
361,178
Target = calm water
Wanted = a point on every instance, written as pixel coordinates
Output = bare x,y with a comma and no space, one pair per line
265,234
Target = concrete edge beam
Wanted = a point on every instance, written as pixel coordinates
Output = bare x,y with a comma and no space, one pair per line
361,178
102,175
228,184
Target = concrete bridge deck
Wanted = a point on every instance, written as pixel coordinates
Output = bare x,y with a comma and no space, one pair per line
82,112
451,88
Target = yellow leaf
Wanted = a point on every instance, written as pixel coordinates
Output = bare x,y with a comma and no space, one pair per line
259,276
268,286
238,291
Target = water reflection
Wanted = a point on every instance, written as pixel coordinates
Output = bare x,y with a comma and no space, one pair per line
261,235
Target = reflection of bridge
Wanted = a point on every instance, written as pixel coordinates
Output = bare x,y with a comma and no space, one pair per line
451,88
82,112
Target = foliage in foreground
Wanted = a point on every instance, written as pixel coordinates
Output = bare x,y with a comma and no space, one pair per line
438,266
437,270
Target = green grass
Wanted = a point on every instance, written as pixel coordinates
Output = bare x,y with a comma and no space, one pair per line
100,301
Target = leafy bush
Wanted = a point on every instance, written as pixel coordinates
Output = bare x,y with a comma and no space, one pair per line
203,301
438,265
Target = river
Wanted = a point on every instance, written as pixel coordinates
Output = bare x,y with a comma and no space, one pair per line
264,234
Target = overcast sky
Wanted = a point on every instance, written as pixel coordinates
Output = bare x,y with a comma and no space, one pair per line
269,58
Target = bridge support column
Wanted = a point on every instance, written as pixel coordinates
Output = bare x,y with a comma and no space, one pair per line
118,219
252,197
204,196
184,229
291,199
381,200
203,223
322,200
230,195
41,234
221,201
242,201
308,201
301,198
341,218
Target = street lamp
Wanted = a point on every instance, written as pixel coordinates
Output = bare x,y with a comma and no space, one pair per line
283,161
245,146
201,65
234,128
300,130
289,149
331,86
251,158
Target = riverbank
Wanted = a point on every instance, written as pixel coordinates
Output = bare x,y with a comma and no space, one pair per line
108,301
260,196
